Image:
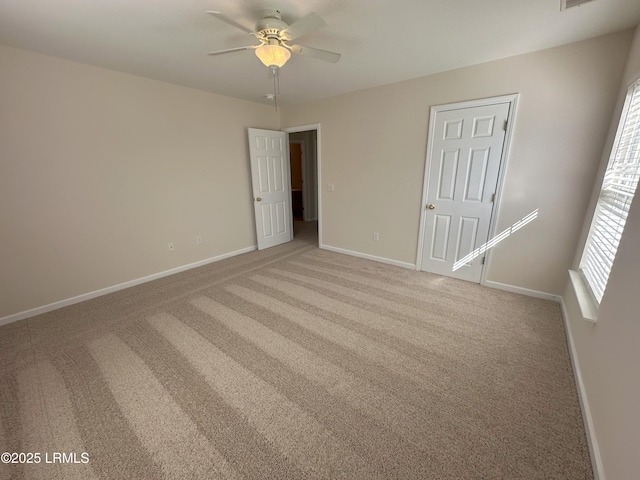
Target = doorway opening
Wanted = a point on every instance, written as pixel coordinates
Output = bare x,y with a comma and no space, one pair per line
304,156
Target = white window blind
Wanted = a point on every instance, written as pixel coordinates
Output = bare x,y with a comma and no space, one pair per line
618,188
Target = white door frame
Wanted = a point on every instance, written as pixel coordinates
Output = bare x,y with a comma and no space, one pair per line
512,100
306,128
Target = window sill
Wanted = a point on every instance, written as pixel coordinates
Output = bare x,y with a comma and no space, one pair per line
586,302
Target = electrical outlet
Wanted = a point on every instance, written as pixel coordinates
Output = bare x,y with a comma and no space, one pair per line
171,247
376,237
199,240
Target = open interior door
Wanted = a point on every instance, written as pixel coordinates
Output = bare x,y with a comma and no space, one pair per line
269,154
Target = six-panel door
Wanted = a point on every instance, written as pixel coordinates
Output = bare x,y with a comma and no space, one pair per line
271,189
463,168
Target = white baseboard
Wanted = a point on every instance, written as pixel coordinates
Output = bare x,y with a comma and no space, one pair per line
596,459
523,291
388,261
104,291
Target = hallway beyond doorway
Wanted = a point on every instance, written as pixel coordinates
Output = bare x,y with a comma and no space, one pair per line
306,231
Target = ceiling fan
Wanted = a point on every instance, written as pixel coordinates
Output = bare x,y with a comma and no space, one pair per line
273,34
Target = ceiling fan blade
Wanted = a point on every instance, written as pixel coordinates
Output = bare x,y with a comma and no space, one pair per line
316,53
237,49
305,25
226,19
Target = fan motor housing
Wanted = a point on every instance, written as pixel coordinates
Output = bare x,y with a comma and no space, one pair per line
271,23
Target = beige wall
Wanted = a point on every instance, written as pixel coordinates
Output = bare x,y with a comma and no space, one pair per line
100,170
122,165
374,145
607,352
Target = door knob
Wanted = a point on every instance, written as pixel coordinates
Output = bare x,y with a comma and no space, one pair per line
431,206
258,199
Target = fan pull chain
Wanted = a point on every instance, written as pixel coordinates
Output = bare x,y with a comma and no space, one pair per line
276,85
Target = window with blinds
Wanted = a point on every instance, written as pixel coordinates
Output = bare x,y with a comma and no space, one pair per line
618,188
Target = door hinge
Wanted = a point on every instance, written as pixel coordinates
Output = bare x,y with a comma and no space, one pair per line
493,197
482,261
505,125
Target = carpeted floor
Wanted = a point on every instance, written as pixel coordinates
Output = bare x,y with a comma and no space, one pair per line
294,363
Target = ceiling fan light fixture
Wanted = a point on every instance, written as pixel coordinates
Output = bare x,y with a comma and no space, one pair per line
273,55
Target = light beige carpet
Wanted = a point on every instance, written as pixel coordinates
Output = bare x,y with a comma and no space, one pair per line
294,363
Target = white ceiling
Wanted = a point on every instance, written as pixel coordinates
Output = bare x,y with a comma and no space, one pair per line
381,41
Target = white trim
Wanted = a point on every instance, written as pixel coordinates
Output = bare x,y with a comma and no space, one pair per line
480,102
586,300
425,189
615,194
388,261
290,199
131,283
506,150
306,128
592,441
521,290
513,103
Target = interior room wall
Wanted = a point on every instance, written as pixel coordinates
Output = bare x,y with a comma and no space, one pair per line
607,352
100,170
374,147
